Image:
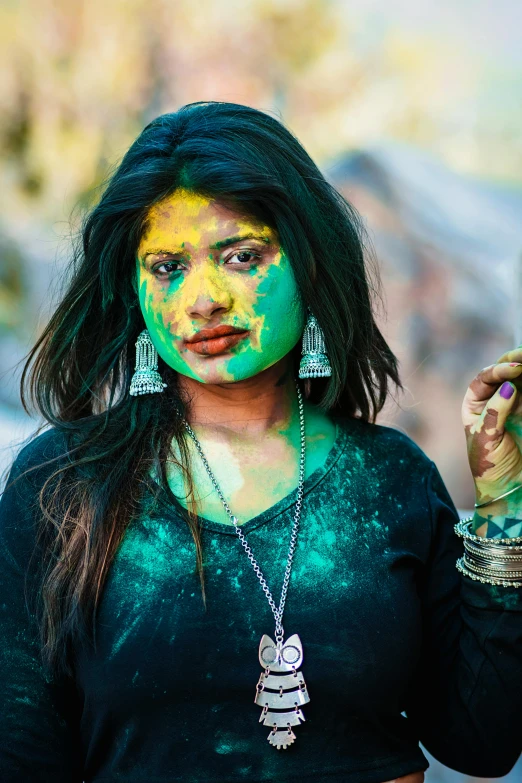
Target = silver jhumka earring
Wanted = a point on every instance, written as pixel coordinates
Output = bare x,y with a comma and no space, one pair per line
315,362
146,378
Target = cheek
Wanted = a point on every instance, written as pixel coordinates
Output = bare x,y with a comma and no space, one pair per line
160,308
268,303
279,304
161,316
157,298
276,317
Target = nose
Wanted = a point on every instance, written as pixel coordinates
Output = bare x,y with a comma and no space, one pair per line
206,306
208,301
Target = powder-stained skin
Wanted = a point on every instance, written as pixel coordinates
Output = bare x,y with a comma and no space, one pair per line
493,428
487,434
184,259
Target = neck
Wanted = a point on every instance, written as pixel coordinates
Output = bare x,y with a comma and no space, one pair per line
255,406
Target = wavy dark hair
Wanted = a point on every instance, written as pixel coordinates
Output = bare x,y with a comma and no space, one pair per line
78,374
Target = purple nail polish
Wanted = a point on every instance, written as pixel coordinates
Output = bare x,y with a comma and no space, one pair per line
506,390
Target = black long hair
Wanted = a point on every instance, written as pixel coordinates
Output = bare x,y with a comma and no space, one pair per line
78,373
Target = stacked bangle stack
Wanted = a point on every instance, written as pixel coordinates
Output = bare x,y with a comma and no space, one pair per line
495,561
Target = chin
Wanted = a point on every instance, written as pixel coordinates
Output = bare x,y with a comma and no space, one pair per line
215,372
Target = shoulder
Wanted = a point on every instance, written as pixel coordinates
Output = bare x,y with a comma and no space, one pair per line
40,448
19,500
385,446
392,463
390,473
35,461
385,459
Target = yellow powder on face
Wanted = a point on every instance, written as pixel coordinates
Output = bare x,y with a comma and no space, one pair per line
177,222
173,222
193,227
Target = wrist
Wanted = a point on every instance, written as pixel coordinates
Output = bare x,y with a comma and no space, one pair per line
496,562
498,520
506,499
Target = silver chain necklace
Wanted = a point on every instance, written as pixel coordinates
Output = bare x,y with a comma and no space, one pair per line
281,694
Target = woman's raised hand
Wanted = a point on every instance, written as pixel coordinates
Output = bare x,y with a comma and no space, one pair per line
492,418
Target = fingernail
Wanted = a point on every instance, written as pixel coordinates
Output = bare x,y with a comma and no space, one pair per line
515,364
506,390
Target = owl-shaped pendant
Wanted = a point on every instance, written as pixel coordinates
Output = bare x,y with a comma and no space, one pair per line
281,689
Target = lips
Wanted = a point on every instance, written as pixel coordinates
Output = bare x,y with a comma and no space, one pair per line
208,342
217,331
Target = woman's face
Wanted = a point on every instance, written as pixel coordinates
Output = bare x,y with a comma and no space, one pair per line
200,266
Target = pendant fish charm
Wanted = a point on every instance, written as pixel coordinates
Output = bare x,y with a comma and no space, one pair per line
281,689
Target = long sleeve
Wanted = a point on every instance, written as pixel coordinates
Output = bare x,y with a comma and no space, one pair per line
466,696
39,736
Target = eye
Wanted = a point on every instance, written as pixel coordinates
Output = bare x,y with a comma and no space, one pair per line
170,266
250,260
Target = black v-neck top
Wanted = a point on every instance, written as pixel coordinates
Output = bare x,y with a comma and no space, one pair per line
399,648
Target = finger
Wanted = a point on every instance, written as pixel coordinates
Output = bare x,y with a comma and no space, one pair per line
515,355
493,418
483,386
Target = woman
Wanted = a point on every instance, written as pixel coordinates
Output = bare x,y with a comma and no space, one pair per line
140,645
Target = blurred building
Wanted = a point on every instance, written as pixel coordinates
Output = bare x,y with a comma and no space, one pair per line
449,247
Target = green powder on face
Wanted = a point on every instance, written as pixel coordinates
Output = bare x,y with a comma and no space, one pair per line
259,298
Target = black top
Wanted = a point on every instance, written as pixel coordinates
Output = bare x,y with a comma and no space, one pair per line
387,623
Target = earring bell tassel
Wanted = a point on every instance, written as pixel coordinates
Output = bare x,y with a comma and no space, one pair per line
315,362
146,378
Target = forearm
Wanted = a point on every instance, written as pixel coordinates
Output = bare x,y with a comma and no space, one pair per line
502,519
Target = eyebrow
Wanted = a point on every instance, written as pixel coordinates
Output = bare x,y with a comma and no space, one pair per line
240,238
156,251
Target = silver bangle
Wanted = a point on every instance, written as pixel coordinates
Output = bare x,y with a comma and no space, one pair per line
488,502
494,561
493,564
494,570
463,529
498,561
486,579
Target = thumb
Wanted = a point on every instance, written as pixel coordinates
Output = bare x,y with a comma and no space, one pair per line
498,408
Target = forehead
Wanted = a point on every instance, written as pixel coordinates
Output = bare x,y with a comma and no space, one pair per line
191,219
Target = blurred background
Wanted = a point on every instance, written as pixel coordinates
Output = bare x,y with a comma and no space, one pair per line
412,110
